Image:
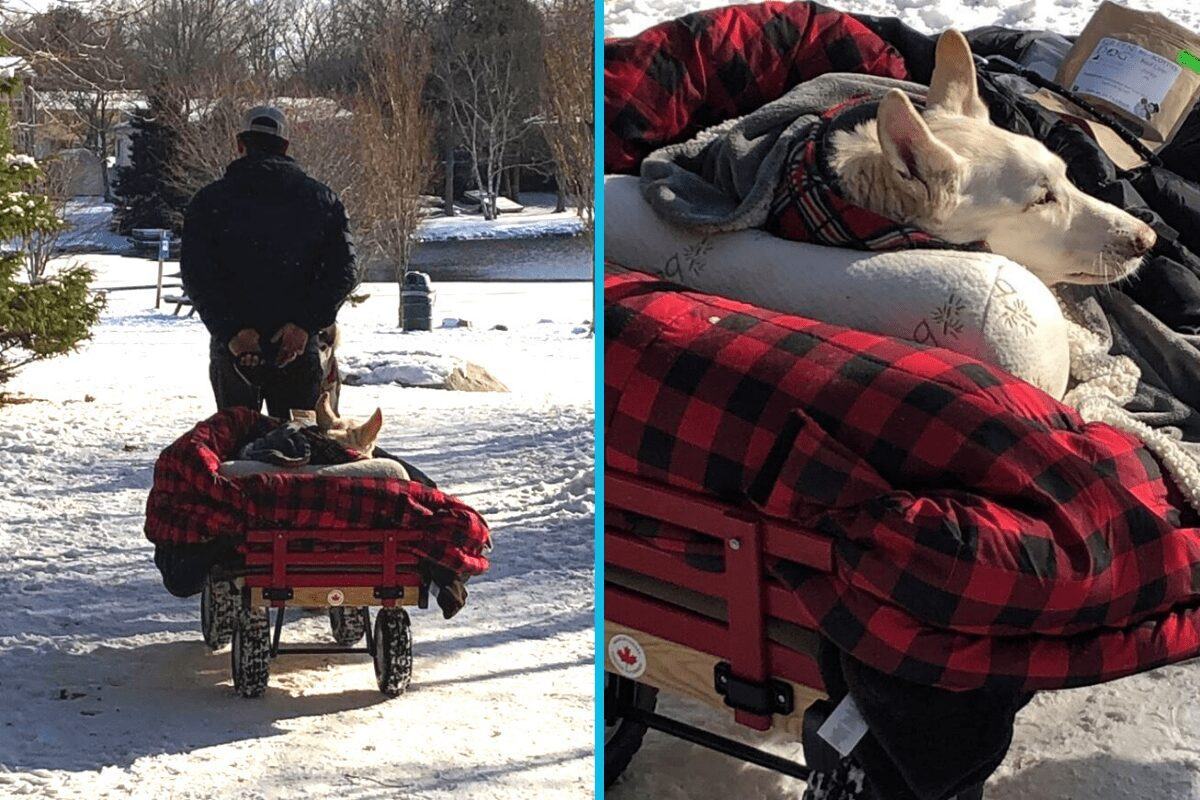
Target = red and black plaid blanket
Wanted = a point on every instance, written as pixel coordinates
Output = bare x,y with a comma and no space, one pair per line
190,502
678,78
984,534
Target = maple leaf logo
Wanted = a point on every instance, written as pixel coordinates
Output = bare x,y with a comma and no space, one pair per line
627,656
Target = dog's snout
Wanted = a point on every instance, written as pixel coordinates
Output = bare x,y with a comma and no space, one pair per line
1143,240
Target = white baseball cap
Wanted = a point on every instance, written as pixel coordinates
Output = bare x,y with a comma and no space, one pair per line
266,119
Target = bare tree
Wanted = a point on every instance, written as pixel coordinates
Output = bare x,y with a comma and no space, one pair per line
325,43
394,138
506,85
321,132
324,144
79,59
314,44
40,243
182,46
568,98
489,71
206,136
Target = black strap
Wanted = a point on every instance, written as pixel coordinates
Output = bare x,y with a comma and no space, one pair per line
1007,65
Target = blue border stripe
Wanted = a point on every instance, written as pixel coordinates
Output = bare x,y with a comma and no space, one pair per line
598,318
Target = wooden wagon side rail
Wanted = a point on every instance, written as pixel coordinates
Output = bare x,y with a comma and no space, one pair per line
391,574
749,598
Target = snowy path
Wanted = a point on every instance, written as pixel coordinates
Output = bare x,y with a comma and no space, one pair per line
104,682
1135,739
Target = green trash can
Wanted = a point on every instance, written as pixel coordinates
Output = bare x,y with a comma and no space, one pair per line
416,297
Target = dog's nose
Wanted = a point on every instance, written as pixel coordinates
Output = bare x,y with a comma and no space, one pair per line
1143,240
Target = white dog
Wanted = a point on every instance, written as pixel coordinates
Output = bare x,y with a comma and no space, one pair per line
360,437
952,173
355,435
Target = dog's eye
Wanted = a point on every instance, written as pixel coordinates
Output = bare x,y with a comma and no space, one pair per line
1046,199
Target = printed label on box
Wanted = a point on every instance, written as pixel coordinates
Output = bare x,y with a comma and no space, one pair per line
1128,76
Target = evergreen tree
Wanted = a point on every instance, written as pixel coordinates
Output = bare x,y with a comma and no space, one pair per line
149,194
49,316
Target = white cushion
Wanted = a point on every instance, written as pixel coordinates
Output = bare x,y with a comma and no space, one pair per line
978,304
364,468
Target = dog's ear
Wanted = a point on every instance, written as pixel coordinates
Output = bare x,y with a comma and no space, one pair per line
910,147
368,432
325,416
953,87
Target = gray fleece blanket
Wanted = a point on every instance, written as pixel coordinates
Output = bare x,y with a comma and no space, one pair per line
725,177
1129,369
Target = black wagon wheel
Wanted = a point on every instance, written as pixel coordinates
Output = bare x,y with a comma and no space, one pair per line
623,736
218,612
348,624
393,651
250,655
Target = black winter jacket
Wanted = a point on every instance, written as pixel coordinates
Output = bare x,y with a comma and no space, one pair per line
266,245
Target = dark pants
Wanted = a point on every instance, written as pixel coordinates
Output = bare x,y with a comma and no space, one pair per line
298,385
923,743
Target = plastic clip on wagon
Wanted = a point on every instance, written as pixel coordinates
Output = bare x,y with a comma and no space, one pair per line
346,571
731,639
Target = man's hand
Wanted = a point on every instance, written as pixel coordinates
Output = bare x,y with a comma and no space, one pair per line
291,340
246,347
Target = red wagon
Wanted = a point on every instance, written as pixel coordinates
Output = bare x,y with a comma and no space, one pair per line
732,639
263,543
346,571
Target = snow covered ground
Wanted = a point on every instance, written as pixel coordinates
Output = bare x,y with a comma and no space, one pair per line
627,17
89,228
89,223
538,218
105,687
1134,739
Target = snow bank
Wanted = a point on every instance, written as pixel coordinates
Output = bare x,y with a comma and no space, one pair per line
421,371
89,228
538,219
412,368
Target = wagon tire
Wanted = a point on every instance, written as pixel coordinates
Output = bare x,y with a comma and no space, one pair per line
250,654
393,651
218,612
348,625
623,737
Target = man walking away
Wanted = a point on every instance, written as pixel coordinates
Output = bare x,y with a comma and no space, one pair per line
267,261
